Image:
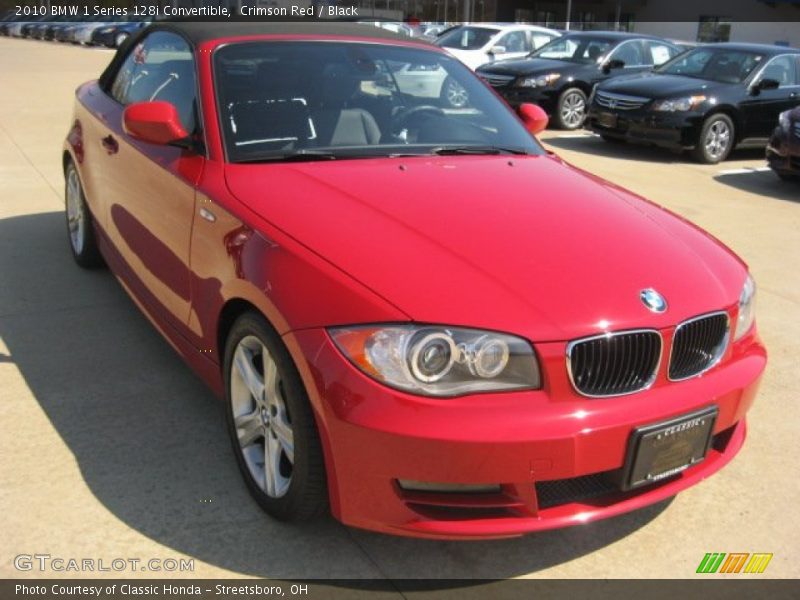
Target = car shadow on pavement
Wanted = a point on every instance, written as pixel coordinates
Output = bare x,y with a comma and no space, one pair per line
763,183
151,445
594,144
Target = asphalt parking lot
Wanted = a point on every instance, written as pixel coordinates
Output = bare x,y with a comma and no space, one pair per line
111,448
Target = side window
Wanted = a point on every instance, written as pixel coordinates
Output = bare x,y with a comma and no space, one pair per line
513,41
540,39
630,53
658,53
782,69
160,67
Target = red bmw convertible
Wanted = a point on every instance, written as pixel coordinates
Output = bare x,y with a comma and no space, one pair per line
415,315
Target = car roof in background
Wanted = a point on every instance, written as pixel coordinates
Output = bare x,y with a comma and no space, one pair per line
764,48
614,35
203,31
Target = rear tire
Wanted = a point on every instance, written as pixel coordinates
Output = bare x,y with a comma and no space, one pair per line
571,109
120,39
80,228
716,139
271,423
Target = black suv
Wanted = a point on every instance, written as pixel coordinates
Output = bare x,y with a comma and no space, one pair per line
559,76
708,100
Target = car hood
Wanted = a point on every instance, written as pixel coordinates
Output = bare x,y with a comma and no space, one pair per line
530,66
526,245
656,85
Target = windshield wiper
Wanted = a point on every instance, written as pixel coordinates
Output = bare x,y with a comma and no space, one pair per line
295,156
452,150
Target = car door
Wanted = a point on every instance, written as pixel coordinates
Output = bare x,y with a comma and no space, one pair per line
150,189
762,107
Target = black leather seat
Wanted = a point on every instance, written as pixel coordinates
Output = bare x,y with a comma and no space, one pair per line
336,124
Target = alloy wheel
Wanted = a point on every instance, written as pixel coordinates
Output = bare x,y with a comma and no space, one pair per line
573,109
262,421
76,213
718,138
456,95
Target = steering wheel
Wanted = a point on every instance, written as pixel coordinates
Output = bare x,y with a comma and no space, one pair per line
404,117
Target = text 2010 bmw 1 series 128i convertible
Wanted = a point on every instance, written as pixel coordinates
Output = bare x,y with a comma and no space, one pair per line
415,315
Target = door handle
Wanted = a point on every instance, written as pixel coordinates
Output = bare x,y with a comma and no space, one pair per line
110,144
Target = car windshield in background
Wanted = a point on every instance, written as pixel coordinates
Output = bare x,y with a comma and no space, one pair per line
576,49
326,100
467,38
714,64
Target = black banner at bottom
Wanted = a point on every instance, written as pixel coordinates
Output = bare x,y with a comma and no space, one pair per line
444,589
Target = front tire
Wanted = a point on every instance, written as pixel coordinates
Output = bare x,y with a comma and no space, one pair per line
80,229
120,39
571,109
453,94
271,423
716,139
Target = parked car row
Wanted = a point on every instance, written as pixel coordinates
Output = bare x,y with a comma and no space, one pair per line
77,30
707,100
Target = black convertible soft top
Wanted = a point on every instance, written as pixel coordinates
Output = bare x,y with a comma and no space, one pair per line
197,32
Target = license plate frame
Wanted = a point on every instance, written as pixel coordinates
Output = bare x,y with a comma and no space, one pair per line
661,450
607,120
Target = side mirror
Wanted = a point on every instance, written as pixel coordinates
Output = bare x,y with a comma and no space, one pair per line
155,122
497,50
767,84
614,63
533,117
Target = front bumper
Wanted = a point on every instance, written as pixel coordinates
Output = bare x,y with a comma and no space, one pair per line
783,151
551,451
676,131
546,98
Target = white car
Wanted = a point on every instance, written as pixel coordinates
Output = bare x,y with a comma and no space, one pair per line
478,44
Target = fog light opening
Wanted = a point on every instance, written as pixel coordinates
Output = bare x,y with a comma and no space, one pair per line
408,485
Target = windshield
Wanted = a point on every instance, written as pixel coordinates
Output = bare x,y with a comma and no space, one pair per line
574,49
322,100
714,64
467,38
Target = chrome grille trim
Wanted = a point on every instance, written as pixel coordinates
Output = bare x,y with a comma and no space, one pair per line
496,80
620,101
608,375
702,335
797,129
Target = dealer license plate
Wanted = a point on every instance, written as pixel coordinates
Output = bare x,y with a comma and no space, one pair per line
665,449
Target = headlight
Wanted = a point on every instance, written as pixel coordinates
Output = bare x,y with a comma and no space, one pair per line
783,119
540,81
679,104
747,309
440,361
107,30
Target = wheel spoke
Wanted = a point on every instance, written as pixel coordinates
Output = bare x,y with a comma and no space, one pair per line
272,460
283,431
270,376
249,428
243,362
